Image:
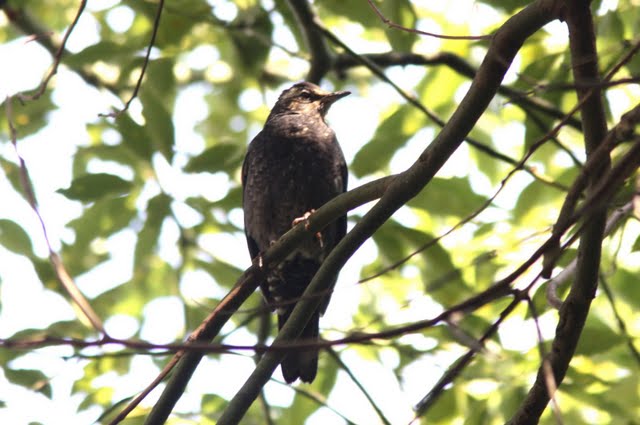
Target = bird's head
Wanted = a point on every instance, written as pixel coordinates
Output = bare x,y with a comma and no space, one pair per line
306,98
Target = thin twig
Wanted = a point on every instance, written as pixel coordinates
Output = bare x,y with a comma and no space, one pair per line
145,63
569,271
546,366
56,59
376,70
363,390
620,321
392,24
56,263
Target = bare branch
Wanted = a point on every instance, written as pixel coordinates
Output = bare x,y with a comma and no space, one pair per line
575,309
392,24
356,381
248,282
18,15
145,63
56,263
569,271
321,57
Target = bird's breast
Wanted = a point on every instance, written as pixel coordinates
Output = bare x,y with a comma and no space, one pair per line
290,172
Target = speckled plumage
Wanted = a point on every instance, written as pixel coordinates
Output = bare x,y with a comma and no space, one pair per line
294,165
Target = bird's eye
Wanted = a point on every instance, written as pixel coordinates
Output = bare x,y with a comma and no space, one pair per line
305,95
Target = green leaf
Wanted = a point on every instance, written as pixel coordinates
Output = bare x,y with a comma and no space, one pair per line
160,79
28,117
116,153
134,136
392,134
224,273
636,245
34,380
178,20
12,173
401,13
509,6
443,410
159,124
219,157
625,283
14,238
158,209
106,51
157,95
252,38
597,338
211,405
233,199
451,196
101,219
440,276
350,10
534,197
92,187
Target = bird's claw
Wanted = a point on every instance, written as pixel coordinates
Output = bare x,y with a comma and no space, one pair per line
320,240
305,218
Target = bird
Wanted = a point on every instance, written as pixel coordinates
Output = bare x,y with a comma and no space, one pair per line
293,167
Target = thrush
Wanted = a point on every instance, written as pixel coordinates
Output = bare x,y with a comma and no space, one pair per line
292,167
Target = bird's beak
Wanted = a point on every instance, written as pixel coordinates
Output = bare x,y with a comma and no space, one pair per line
330,98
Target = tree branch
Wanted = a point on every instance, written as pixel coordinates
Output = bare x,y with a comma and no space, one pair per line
249,281
24,22
505,44
321,57
377,70
575,309
460,66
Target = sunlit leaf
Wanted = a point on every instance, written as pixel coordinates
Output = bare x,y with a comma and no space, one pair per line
452,196
219,157
92,187
14,238
34,380
391,134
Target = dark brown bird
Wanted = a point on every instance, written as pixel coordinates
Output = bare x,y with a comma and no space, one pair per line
294,166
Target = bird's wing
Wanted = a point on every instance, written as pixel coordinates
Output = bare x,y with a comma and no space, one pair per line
251,243
341,222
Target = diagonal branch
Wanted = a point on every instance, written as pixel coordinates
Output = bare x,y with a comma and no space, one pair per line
246,285
356,381
321,57
378,71
24,22
460,66
19,16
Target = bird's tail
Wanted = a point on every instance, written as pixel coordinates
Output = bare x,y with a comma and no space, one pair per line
301,363
294,277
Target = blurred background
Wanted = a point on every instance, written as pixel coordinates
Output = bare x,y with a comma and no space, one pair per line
144,207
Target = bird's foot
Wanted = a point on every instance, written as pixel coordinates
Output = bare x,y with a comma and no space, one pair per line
305,219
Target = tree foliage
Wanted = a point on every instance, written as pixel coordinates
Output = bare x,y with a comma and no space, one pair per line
495,261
